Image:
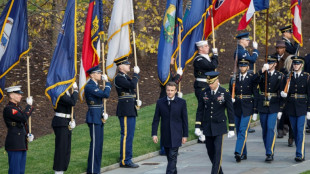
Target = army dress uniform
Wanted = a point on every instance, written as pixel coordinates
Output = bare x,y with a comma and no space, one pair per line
212,120
94,96
63,135
16,143
244,106
268,107
298,106
290,47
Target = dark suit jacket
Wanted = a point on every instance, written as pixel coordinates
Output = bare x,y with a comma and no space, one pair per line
174,124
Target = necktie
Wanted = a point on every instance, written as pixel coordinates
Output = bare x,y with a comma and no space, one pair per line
212,92
169,102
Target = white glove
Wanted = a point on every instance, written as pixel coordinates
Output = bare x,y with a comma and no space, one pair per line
198,132
136,69
75,86
255,45
233,100
180,71
72,124
30,137
105,116
283,94
104,77
29,100
202,138
265,67
215,51
279,115
180,94
231,134
254,117
308,115
139,103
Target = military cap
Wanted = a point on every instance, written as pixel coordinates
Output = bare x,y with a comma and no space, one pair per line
272,59
201,43
123,60
14,89
280,44
286,29
94,69
212,76
243,62
243,36
298,60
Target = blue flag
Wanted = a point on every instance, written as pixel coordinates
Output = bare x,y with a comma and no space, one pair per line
14,37
194,19
63,68
168,41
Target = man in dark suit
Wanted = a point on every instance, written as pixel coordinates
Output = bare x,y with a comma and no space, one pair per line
17,138
126,109
212,120
95,116
172,113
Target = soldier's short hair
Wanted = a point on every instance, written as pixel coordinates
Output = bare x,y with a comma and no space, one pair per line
172,84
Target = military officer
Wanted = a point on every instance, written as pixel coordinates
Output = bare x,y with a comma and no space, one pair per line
126,109
242,53
203,63
211,119
95,116
269,104
17,138
245,104
62,126
298,104
286,37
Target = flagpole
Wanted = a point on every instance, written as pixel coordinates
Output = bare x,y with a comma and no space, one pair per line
267,23
180,51
103,71
135,56
254,37
213,33
28,90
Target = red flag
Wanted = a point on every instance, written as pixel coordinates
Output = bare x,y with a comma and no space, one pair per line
223,11
296,21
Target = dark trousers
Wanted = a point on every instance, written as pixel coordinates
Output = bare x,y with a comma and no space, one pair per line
62,148
128,125
285,120
17,161
172,156
95,147
214,146
298,126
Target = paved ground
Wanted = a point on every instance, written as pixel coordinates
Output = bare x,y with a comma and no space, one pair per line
193,159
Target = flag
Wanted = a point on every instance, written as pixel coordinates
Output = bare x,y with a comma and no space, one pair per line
168,42
13,46
195,15
119,34
91,42
255,5
223,11
296,21
62,72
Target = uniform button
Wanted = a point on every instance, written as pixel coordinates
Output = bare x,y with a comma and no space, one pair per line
295,85
211,116
241,86
211,103
211,112
211,107
18,133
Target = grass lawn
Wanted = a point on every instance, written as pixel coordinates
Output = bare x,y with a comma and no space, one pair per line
41,151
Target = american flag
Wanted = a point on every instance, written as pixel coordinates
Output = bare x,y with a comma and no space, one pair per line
296,21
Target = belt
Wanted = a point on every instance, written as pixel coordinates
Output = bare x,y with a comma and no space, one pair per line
201,80
244,96
298,96
95,106
62,115
13,124
270,94
126,96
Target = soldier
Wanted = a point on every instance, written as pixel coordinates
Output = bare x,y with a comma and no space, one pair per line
212,120
269,107
17,138
126,109
62,126
280,54
95,116
242,53
298,104
286,36
203,63
245,105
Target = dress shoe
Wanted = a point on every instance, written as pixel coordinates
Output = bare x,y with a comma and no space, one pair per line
308,130
237,157
244,157
290,142
200,142
299,159
269,158
251,130
280,134
129,165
